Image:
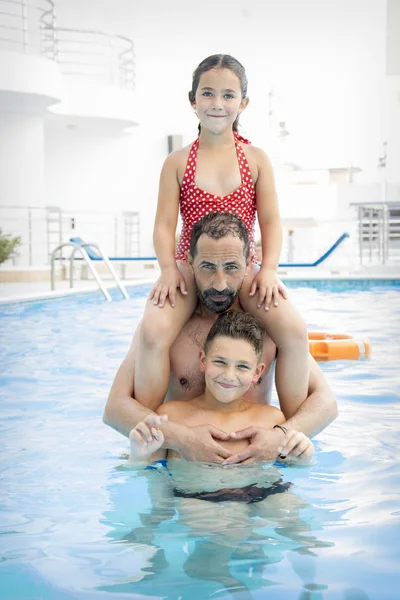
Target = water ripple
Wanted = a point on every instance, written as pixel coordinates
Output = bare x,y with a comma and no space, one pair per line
69,514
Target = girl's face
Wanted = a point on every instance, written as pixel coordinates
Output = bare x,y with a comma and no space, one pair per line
218,99
230,367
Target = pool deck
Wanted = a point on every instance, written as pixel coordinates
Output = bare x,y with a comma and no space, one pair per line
20,292
26,291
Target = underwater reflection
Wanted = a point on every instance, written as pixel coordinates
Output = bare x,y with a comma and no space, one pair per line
189,548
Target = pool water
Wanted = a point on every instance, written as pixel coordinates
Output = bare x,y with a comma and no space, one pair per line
76,524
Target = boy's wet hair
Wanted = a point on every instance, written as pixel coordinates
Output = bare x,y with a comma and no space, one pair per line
218,225
220,61
238,326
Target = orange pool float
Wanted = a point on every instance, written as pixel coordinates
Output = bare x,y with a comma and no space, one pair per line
337,346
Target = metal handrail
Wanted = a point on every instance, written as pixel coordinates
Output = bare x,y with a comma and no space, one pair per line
79,248
106,261
88,262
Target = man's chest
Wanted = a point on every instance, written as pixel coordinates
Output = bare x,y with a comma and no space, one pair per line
187,381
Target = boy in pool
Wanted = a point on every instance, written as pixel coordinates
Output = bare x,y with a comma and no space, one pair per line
231,364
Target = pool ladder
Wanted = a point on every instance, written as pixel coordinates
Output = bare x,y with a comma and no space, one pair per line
81,249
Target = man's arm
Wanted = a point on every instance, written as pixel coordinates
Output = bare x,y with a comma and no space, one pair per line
318,409
313,415
123,412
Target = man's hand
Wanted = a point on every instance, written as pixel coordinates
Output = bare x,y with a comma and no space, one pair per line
199,444
264,445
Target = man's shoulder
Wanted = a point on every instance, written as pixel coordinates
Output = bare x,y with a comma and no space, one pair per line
195,330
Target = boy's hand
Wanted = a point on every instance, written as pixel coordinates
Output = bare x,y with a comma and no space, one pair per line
296,448
146,438
170,279
269,287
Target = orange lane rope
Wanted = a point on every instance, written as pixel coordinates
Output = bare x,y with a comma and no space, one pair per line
337,346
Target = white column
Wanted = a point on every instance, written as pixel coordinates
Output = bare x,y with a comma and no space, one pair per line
22,185
21,160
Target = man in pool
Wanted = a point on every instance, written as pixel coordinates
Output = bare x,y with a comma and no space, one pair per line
231,363
220,259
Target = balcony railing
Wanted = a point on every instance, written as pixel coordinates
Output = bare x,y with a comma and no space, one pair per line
98,57
378,231
371,242
29,26
43,228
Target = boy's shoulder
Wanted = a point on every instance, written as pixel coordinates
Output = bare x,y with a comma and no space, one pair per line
173,408
266,411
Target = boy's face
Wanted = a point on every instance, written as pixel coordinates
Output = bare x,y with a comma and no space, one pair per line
230,368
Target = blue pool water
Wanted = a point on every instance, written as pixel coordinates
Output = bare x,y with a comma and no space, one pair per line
76,525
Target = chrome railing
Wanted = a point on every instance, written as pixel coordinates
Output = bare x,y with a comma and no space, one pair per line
81,249
29,26
378,231
44,228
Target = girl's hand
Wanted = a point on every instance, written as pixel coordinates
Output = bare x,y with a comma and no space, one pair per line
297,448
171,278
269,287
146,438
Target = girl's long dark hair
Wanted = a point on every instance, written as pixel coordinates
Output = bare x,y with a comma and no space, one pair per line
220,61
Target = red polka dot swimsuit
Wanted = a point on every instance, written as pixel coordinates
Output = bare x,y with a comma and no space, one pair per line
195,203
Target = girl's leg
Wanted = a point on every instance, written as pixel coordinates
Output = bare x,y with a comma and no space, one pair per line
158,330
289,333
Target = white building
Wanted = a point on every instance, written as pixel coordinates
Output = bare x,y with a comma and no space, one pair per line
88,100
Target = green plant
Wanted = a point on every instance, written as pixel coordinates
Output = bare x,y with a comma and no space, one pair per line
8,244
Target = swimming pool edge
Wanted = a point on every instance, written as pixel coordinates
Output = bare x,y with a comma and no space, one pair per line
53,294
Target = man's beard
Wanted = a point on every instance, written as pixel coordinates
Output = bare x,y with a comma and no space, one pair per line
207,299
